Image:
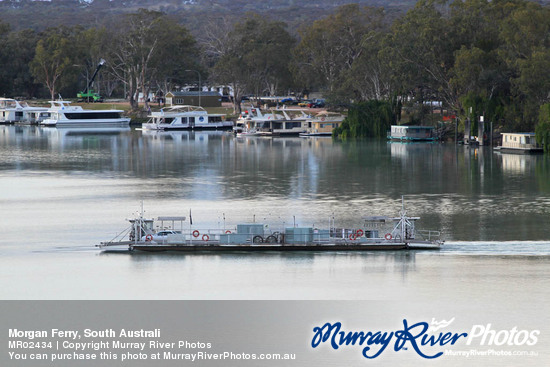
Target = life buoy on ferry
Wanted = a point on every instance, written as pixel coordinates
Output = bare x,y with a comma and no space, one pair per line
359,233
388,236
227,232
196,233
205,237
353,236
148,237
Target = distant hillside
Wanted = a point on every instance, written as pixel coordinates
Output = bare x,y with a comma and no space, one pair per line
40,14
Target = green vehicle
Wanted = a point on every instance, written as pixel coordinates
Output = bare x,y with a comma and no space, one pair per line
89,95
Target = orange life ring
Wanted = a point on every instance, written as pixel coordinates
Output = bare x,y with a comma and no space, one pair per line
359,232
227,232
196,233
148,237
388,236
205,237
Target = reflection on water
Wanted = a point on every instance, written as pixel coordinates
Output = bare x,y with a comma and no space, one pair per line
470,193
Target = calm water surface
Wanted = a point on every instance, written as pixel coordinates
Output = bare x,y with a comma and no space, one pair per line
63,191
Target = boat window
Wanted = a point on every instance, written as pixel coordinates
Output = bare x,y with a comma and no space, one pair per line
191,120
215,119
91,115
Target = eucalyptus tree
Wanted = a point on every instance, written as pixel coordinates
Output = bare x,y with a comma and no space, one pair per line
54,58
421,54
4,57
93,46
526,51
19,80
255,58
148,47
330,47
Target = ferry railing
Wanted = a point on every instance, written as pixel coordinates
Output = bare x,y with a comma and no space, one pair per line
429,235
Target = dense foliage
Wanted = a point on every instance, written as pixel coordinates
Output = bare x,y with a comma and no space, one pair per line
367,119
542,130
478,57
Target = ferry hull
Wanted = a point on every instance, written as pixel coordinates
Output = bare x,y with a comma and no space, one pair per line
265,247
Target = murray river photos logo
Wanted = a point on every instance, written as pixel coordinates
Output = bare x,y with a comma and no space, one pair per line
424,338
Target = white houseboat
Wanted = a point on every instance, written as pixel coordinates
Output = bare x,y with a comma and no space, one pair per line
411,133
186,117
277,122
13,111
521,143
61,113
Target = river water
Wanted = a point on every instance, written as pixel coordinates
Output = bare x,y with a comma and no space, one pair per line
63,192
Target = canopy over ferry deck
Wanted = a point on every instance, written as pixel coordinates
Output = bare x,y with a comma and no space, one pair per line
178,234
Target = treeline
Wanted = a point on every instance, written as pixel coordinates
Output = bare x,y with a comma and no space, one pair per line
478,57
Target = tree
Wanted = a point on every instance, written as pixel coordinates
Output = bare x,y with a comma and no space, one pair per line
330,46
256,58
147,48
542,131
370,119
4,57
420,54
53,56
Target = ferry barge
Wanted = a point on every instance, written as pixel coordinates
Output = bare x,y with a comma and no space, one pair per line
375,233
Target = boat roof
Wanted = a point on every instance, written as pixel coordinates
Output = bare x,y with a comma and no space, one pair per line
171,219
413,126
523,134
65,105
183,109
382,218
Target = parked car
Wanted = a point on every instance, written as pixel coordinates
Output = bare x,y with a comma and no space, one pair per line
304,102
159,236
317,103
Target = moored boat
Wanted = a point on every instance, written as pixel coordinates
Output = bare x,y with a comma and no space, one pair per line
519,143
412,133
186,118
61,113
277,122
14,111
178,234
323,124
